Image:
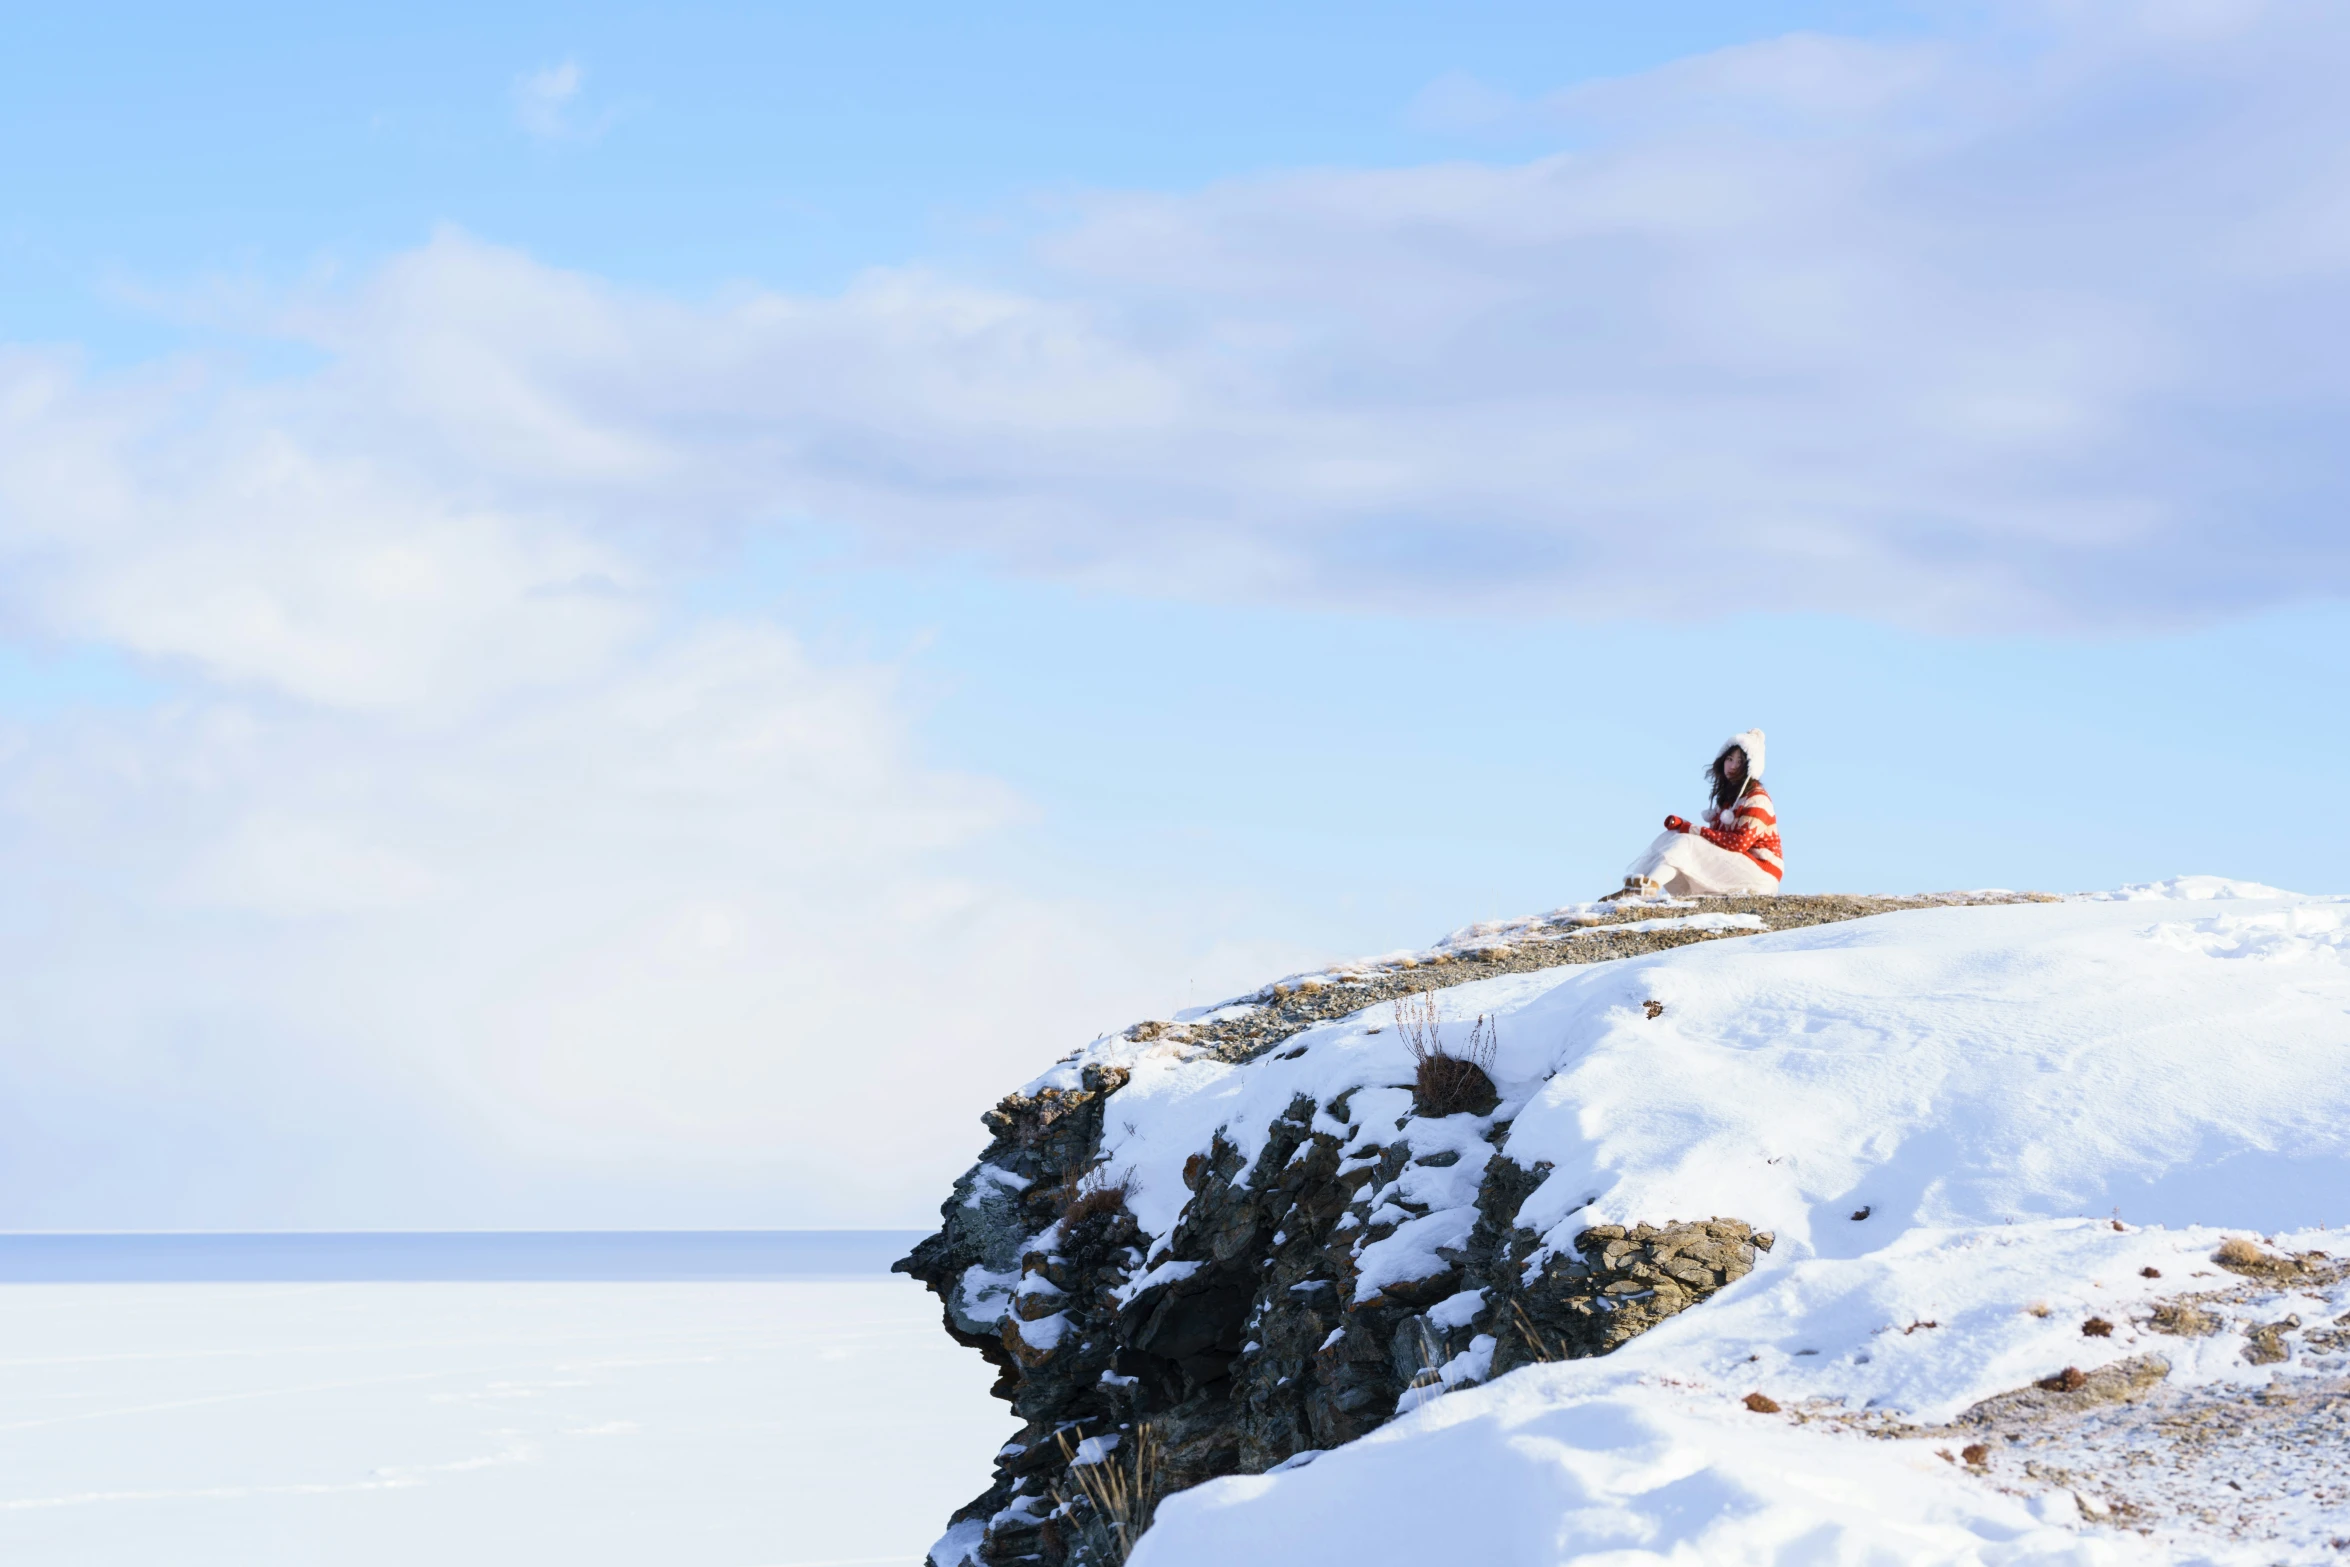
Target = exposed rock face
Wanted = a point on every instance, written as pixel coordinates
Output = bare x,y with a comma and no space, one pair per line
1254,1333
1251,1339
2125,1381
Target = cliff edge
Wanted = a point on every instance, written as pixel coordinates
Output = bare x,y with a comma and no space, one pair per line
1236,1243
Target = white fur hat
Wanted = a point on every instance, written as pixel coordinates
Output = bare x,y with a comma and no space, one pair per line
1751,742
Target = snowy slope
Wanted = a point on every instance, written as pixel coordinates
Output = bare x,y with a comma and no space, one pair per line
1990,1085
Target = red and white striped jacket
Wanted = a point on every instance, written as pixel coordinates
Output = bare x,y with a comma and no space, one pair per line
1750,826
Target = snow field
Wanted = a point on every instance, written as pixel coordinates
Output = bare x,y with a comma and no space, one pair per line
767,1424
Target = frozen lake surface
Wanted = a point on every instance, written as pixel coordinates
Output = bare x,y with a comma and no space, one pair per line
783,1402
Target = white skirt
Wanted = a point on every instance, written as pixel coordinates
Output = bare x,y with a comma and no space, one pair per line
1689,866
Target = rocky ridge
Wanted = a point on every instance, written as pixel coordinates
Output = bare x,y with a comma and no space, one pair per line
1251,1336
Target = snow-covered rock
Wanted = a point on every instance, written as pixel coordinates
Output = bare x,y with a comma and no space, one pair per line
1903,1168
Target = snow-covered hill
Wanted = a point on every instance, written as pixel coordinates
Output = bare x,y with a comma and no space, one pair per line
1978,1146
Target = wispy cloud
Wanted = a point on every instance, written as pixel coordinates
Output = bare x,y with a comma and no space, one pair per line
546,102
1457,102
2000,331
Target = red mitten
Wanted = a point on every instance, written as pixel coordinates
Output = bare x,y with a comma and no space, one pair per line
1675,824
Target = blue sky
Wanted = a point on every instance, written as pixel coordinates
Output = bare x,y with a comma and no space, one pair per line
790,144
583,587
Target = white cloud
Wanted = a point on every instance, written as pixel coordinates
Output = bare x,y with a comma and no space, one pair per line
470,878
544,101
268,540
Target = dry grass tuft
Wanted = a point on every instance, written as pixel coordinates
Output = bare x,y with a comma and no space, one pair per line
1430,1355
1120,1493
2237,1252
1531,1336
1444,1083
1091,1193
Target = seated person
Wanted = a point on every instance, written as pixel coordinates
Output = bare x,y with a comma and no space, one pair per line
1736,851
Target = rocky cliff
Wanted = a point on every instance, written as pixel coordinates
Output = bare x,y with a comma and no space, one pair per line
1361,1253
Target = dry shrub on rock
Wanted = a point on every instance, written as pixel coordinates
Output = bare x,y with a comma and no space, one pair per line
1117,1494
1444,1083
1090,1194
2237,1252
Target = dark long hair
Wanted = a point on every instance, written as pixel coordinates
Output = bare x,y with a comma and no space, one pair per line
1724,791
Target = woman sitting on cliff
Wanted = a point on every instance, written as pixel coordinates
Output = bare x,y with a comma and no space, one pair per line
1737,851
